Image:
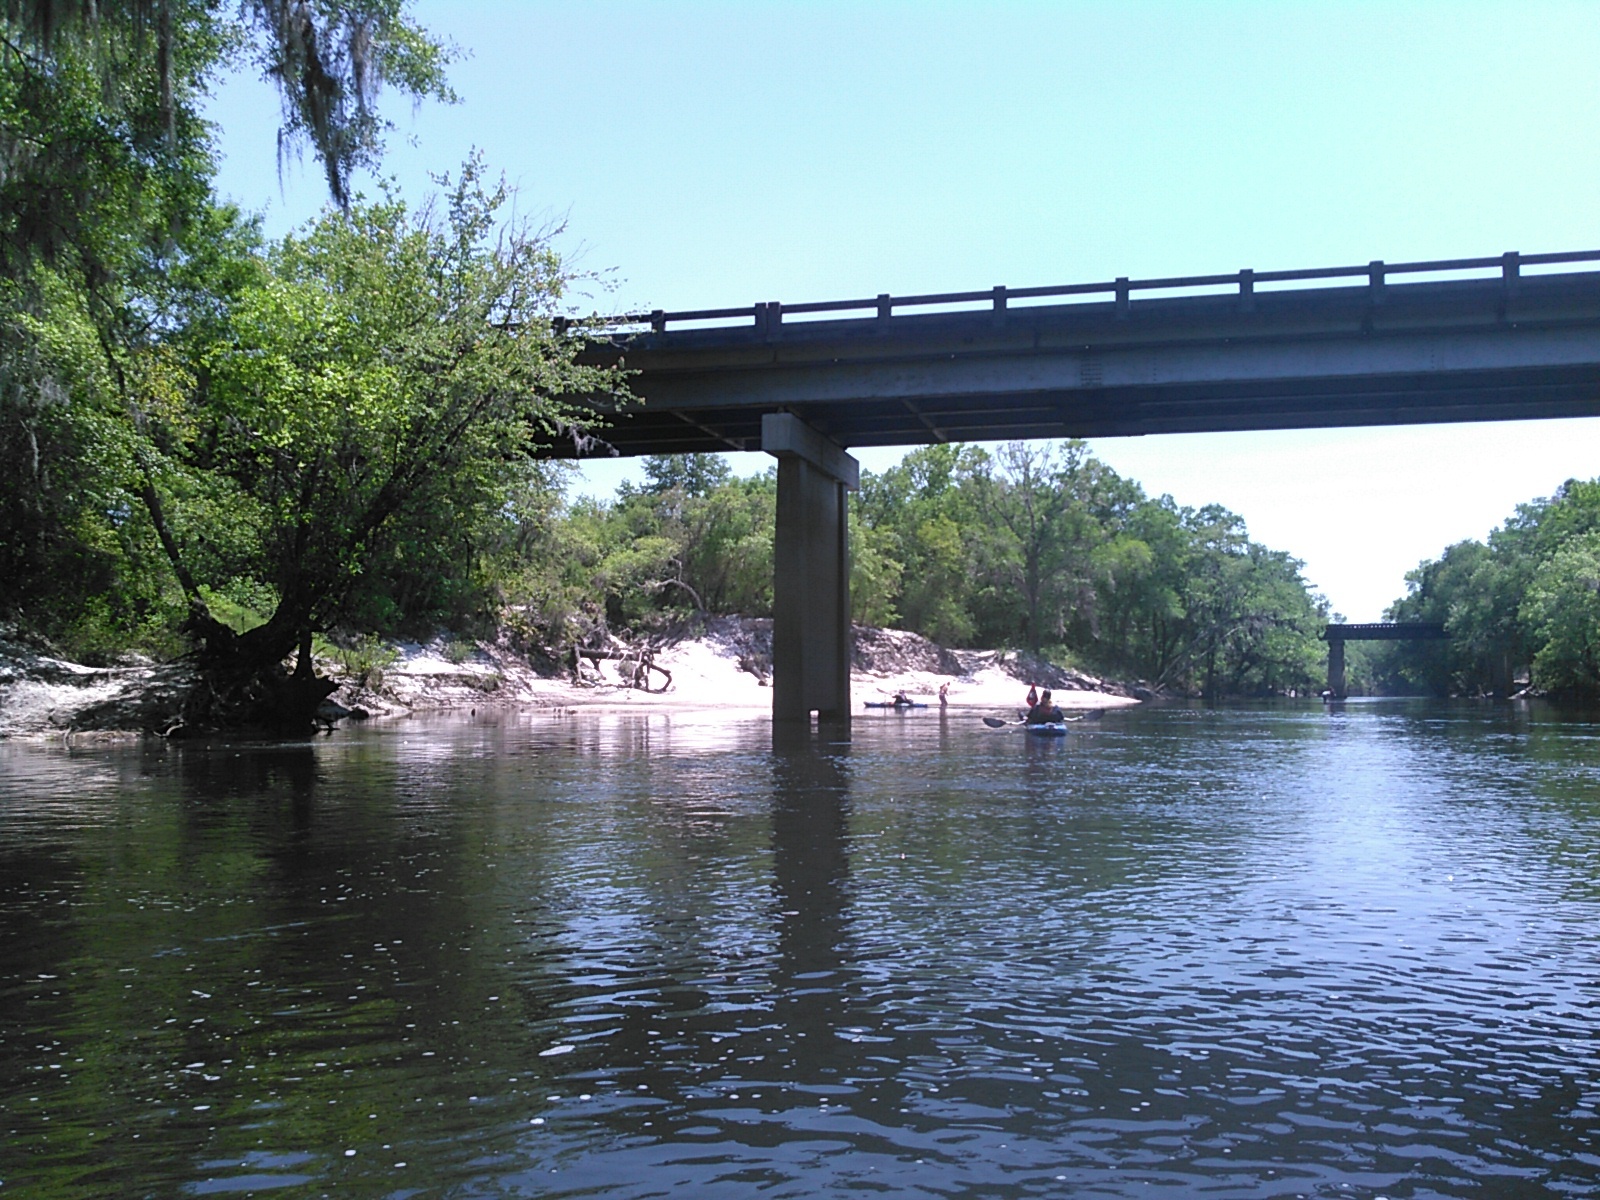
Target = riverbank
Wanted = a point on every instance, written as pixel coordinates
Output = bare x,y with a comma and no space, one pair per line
723,663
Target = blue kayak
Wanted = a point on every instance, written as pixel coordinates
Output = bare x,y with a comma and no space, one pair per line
1048,729
891,704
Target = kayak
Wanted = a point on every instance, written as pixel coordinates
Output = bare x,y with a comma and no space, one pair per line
1048,729
892,704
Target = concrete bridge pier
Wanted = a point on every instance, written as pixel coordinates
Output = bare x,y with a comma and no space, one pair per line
810,572
1336,683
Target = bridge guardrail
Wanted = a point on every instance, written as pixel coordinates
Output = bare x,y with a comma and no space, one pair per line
770,315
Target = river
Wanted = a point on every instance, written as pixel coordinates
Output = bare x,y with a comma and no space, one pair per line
1253,952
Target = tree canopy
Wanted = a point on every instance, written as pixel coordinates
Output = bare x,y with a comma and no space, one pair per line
293,435
1522,605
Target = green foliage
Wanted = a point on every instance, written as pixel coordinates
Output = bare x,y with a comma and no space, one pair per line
875,574
382,379
121,279
694,540
1037,547
696,475
1045,547
103,198
1562,611
241,616
329,59
151,61
1524,600
363,658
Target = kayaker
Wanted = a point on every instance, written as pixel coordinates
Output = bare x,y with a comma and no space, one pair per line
901,700
1045,712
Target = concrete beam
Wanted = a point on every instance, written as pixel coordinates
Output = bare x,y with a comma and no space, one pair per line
1339,361
784,435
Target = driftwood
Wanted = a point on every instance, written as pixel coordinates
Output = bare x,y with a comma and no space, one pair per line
643,660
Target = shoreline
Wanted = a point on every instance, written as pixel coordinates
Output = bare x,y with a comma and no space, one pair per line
719,672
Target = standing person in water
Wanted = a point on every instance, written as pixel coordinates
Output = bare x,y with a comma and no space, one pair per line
944,695
1045,712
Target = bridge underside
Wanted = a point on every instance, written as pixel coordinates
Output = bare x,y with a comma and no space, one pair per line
1132,411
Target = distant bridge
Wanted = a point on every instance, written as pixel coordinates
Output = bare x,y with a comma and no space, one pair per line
1375,631
1473,339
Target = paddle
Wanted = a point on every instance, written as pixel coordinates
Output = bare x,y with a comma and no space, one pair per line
997,723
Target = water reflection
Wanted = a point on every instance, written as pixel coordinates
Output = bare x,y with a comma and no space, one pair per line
1252,952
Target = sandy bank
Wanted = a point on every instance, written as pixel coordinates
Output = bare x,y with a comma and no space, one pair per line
723,667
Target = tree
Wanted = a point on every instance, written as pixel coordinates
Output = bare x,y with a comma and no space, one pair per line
1563,611
111,244
329,60
693,538
382,378
921,512
1048,548
875,574
696,475
1515,601
1039,526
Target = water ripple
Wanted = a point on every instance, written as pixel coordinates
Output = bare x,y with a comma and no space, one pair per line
1242,952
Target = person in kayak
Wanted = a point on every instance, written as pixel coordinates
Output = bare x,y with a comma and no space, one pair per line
1045,712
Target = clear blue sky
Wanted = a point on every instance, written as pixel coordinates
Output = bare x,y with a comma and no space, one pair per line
719,154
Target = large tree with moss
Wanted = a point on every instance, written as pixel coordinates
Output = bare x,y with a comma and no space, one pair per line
110,239
296,424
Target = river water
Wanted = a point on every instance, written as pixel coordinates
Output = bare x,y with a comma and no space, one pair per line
1225,952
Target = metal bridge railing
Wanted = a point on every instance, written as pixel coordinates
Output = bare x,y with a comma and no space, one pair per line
770,315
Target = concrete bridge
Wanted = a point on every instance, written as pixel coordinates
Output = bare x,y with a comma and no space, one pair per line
1504,338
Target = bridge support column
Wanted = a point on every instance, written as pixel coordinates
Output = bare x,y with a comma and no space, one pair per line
1336,683
810,572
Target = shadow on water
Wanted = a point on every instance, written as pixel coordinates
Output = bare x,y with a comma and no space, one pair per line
817,968
810,869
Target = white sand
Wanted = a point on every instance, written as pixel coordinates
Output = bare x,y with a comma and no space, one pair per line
706,675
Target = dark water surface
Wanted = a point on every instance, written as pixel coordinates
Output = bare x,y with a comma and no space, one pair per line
1264,952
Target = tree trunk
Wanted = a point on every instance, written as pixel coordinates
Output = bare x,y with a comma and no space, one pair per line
243,683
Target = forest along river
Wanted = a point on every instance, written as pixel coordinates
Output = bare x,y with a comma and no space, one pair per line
1241,952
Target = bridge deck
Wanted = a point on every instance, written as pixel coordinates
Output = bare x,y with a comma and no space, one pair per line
1511,346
